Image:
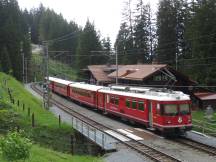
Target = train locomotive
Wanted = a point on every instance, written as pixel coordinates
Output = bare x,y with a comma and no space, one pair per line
159,109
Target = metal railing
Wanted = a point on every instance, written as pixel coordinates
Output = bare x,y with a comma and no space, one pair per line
205,127
101,138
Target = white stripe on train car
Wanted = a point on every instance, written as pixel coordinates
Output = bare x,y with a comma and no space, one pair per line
61,81
151,95
86,86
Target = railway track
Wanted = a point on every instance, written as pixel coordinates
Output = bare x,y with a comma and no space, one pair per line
138,146
197,145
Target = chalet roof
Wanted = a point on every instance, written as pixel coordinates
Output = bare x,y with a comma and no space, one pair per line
137,72
100,72
206,96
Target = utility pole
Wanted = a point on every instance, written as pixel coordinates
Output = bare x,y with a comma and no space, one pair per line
116,53
26,70
177,35
23,62
46,96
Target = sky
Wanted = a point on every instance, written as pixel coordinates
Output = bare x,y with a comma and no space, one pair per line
106,14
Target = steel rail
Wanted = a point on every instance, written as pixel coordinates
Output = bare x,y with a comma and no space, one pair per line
197,145
138,146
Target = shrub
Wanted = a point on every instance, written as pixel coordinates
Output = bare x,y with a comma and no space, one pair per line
8,120
15,147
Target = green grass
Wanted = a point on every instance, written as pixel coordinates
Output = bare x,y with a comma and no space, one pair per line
47,134
200,115
56,68
202,124
39,154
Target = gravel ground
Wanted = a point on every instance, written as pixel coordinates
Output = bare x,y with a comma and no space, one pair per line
125,155
182,152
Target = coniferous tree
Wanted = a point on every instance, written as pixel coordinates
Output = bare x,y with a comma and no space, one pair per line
121,44
89,41
12,31
125,42
5,60
142,33
106,44
167,39
171,18
201,38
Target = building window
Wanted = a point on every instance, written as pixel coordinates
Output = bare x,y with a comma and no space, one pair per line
157,78
141,106
134,104
164,78
160,77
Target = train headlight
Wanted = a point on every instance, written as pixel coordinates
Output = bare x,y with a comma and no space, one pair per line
168,122
180,119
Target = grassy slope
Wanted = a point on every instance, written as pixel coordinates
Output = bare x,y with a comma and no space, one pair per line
55,68
47,132
40,154
203,121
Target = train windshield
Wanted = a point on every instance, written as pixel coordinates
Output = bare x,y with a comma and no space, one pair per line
184,109
170,109
174,109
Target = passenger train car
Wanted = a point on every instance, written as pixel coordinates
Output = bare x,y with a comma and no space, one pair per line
164,110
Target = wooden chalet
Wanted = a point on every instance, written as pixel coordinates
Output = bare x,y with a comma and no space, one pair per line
153,75
205,99
98,74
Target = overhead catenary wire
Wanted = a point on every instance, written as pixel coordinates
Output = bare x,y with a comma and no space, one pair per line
62,38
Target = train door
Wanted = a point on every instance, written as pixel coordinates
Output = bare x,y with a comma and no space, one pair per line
105,102
101,102
150,114
68,91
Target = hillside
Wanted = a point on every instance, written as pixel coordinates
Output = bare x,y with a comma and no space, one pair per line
45,134
56,68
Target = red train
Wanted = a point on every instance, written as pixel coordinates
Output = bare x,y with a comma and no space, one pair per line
164,110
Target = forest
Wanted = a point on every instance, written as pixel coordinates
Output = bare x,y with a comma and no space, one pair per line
181,34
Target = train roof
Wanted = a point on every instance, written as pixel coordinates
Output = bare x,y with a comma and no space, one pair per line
61,81
147,93
86,86
159,94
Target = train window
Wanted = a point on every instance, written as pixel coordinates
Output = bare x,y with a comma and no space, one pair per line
116,101
141,106
127,103
170,109
159,108
184,109
134,104
112,100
